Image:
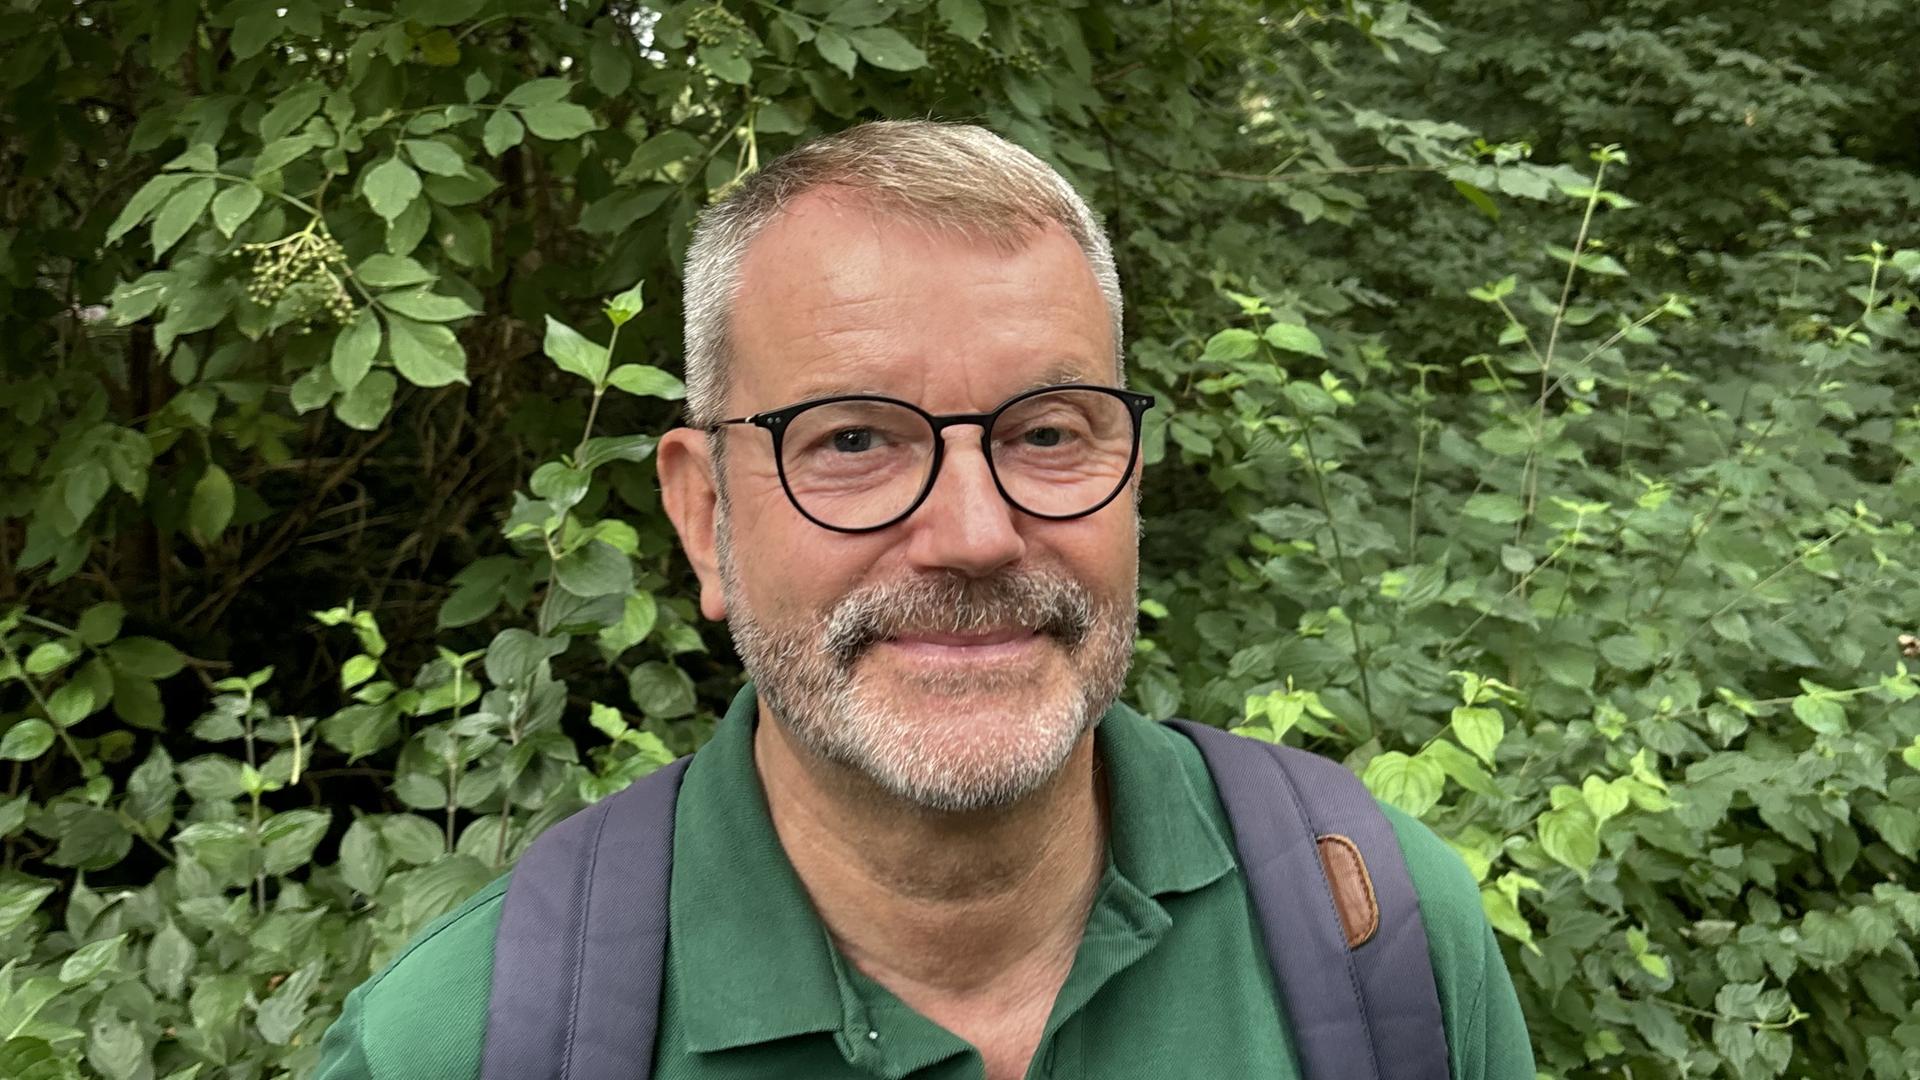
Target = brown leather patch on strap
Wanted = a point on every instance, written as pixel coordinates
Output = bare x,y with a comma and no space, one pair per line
1352,888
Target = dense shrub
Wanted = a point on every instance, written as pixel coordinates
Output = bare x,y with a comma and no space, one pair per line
1568,499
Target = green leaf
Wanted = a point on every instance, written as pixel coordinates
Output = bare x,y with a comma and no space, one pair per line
89,960
1411,783
502,133
609,68
662,149
1822,714
1626,652
625,306
291,110
284,1013
170,957
1479,730
291,836
1570,836
440,12
1606,800
559,120
355,346
835,49
1235,343
570,352
645,381
232,207
390,187
363,858
211,506
148,658
427,354
884,47
363,407
1295,339
435,157
1461,768
71,704
24,1057
599,451
726,62
426,305
1495,506
662,691
144,202
179,213
312,390
100,623
19,900
966,19
596,569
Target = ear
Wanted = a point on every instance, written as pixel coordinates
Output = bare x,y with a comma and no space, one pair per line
692,501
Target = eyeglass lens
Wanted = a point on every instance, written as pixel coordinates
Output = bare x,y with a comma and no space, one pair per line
859,464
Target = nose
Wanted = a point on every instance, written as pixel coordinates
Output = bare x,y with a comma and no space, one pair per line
964,525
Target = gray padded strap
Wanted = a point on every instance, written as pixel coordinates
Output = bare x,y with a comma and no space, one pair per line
1372,1011
580,955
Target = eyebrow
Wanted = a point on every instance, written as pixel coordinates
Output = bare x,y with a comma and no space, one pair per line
1059,373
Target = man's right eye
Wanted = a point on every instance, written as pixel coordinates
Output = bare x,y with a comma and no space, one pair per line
853,440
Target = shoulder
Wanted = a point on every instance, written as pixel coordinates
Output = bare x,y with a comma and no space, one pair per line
424,1015
1486,1033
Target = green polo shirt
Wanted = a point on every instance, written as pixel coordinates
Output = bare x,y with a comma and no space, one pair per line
1170,980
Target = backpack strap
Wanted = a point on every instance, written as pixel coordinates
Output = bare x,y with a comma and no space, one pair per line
1336,907
580,954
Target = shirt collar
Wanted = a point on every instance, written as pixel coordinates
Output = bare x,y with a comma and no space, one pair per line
1161,840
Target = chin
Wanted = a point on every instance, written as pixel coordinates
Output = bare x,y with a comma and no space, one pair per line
951,746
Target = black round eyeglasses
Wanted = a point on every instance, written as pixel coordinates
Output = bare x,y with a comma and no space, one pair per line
857,463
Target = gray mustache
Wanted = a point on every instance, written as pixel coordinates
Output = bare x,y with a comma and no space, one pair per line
950,603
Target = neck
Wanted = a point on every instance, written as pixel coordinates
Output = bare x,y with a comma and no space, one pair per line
942,908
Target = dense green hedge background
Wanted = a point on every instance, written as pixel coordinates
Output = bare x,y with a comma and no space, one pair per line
1539,413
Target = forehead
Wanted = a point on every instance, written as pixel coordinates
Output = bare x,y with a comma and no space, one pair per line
836,296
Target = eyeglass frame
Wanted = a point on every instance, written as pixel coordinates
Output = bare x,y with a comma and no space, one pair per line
774,422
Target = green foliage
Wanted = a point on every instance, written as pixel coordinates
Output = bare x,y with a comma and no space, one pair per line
1568,500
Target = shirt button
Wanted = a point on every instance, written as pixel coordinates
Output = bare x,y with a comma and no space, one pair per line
873,1036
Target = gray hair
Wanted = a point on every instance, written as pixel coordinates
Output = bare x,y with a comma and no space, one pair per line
948,176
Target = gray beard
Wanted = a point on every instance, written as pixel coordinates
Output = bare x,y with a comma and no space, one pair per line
806,675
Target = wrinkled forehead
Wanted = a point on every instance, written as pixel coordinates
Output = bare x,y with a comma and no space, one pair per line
836,283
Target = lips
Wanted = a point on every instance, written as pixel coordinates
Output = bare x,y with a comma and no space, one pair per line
962,640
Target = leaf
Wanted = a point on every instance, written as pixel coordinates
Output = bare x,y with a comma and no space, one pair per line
149,658
608,67
100,623
1821,714
290,837
502,133
19,900
573,353
886,48
355,346
1570,836
607,448
211,506
726,62
232,207
363,407
291,110
1235,343
1479,730
440,12
1495,506
426,305
435,157
363,858
179,213
1606,800
116,1048
1294,338
71,704
49,657
625,306
662,149
144,202
661,690
559,120
1626,652
170,957
284,1013
91,959
427,354
596,569
966,19
645,381
25,1057
1413,784
390,187
835,49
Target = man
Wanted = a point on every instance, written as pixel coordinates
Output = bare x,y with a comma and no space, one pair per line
926,842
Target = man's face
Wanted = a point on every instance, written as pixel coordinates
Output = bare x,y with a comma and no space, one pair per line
956,657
